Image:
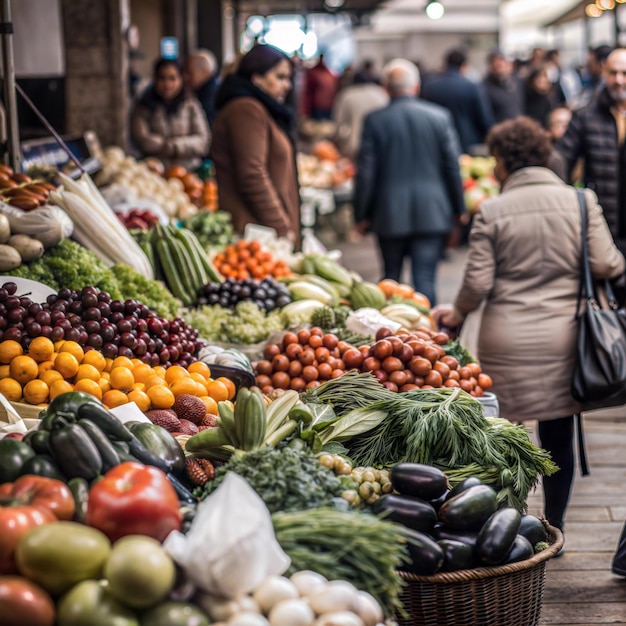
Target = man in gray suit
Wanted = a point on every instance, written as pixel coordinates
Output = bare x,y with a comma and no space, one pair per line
408,186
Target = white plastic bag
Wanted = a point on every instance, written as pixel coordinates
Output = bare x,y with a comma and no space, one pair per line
230,548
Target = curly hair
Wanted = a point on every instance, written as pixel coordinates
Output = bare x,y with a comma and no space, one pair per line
520,142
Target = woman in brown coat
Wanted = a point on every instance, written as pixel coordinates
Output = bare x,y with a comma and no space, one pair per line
169,124
524,263
253,149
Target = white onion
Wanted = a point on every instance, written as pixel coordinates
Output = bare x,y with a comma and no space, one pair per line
341,618
307,582
367,608
219,609
273,590
247,619
291,613
336,596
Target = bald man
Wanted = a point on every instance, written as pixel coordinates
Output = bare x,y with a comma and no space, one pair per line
201,77
597,134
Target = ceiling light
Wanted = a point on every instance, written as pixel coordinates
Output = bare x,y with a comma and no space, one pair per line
593,11
605,5
334,4
435,10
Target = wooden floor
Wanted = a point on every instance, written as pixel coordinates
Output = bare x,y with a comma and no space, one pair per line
580,588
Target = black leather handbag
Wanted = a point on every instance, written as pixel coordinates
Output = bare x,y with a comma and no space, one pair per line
599,377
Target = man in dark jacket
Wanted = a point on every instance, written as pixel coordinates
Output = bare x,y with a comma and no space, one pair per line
408,186
463,98
502,88
596,134
202,78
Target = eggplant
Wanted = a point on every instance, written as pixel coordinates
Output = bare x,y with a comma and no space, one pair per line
464,485
497,535
521,550
418,480
533,529
456,555
426,554
442,532
470,509
411,512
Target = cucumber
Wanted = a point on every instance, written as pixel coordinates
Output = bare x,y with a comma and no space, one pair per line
411,512
497,535
75,453
108,453
145,456
160,442
456,555
422,481
43,465
426,554
105,421
464,485
521,550
470,509
80,492
533,529
441,532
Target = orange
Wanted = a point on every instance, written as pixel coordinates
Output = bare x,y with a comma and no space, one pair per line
135,361
67,364
140,398
74,348
140,386
122,361
49,376
122,378
9,349
141,372
113,398
95,358
4,371
104,384
154,379
217,390
23,369
160,370
160,397
211,405
58,387
41,349
199,367
174,373
44,366
58,345
108,365
36,392
11,389
187,385
87,371
88,386
230,385
199,378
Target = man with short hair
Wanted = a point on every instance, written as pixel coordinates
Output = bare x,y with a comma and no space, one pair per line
201,77
502,88
597,134
408,188
463,98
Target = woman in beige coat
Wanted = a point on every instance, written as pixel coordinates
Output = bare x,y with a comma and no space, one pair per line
168,123
524,263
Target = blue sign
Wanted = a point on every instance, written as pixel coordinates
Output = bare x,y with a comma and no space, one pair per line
169,48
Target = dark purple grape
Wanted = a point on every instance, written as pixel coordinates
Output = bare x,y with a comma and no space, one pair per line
57,333
158,345
92,326
65,293
130,306
107,331
116,316
104,308
46,331
27,319
92,313
76,307
26,341
175,326
104,296
3,310
151,344
154,360
4,294
77,322
129,340
73,334
143,311
63,323
95,341
61,306
11,287
34,308
145,358
174,353
12,302
133,321
124,326
165,323
34,329
140,348
125,351
109,350
55,316
142,325
155,325
44,318
117,306
15,334
3,322
16,314
52,298
82,336
164,355
25,301
89,300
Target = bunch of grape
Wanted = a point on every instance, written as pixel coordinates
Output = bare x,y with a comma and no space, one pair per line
96,321
267,294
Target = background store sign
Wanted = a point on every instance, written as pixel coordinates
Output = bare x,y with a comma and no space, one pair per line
46,153
169,48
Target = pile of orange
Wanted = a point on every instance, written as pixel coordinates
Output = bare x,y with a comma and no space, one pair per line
247,259
49,369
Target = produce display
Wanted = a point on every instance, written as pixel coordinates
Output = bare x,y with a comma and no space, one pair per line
139,219
324,168
479,182
213,230
21,191
247,259
267,294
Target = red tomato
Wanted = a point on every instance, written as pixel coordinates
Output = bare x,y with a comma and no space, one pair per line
40,492
24,603
133,499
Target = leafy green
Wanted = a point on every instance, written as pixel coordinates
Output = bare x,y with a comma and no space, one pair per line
455,349
287,479
213,230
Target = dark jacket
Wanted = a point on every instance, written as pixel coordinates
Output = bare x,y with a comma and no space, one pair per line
206,95
504,97
465,101
538,106
408,180
592,135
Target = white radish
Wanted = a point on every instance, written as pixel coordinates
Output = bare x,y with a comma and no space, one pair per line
273,590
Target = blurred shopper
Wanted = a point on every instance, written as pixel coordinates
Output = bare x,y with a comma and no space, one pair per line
592,76
352,104
463,98
367,73
596,134
320,89
408,187
168,123
524,264
537,96
558,121
502,88
253,148
202,77
566,85
346,78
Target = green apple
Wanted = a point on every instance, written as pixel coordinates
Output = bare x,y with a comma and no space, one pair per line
140,572
175,614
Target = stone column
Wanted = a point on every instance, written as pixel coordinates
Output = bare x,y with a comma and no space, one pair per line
96,53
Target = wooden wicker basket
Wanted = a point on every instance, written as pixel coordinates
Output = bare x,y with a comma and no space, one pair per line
507,595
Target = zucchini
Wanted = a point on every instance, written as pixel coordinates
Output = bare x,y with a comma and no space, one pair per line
410,512
145,456
419,480
80,492
105,421
464,485
426,554
470,509
108,453
160,442
43,465
521,550
497,535
533,529
456,555
441,533
75,453
38,441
